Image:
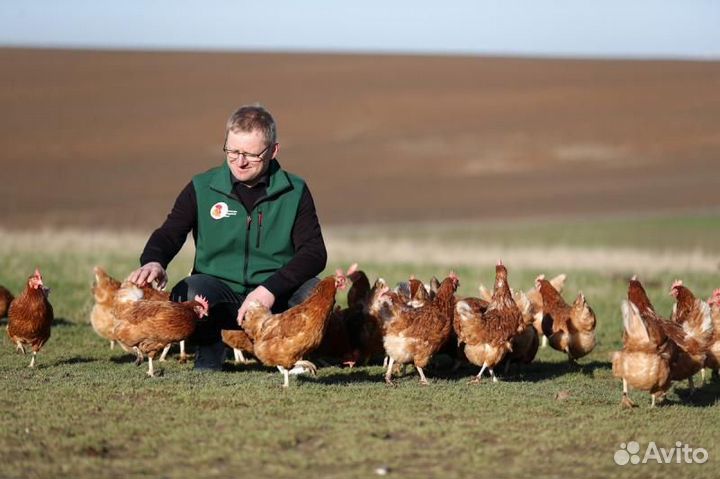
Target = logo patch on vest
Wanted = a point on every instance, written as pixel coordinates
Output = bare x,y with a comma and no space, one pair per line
220,210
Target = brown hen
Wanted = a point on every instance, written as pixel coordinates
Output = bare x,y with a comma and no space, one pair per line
372,331
30,317
102,318
414,335
342,342
6,298
524,345
488,333
150,326
644,362
691,329
240,343
536,304
283,339
712,360
570,329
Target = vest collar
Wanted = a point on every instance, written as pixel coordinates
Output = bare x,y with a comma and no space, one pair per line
278,182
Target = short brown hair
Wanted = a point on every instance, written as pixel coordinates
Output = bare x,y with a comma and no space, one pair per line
250,118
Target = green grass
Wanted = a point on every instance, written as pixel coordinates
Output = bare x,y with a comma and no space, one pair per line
87,411
687,232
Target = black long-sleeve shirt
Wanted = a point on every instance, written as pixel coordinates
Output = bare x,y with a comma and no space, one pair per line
310,254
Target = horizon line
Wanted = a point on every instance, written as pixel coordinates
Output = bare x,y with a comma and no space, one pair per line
366,52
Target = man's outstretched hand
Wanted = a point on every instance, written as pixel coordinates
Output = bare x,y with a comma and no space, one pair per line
148,273
260,294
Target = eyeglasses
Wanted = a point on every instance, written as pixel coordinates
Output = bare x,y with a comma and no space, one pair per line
250,157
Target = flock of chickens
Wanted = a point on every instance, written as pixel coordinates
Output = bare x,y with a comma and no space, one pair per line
409,324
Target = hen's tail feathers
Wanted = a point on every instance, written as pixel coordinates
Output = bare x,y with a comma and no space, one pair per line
633,324
523,303
558,282
585,320
484,293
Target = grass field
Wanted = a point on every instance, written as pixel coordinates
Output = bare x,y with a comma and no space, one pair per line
87,411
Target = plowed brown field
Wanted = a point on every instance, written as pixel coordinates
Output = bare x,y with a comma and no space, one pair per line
107,139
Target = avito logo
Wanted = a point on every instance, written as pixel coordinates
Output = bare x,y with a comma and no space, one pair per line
680,454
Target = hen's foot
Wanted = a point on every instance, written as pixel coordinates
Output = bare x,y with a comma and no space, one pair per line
301,367
627,403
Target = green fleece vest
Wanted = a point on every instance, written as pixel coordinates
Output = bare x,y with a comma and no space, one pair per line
244,248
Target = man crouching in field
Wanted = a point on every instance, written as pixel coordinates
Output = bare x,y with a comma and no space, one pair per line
257,235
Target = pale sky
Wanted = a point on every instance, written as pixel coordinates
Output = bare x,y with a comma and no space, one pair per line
576,28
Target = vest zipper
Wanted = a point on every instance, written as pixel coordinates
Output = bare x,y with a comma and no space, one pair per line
248,222
259,229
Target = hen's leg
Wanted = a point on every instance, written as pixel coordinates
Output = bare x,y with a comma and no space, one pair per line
544,342
20,348
139,358
478,378
32,361
388,374
286,376
658,398
112,344
492,373
151,371
702,377
239,356
571,359
183,355
423,379
626,402
164,352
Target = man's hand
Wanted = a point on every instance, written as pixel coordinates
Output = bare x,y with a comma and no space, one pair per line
260,294
148,273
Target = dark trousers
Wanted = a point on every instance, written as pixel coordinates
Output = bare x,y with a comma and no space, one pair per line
224,303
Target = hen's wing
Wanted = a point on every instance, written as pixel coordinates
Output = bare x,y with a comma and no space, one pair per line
695,333
159,320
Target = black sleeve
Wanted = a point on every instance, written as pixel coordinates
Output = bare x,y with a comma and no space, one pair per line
310,254
166,241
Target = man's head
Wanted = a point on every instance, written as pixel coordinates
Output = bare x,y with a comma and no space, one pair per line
250,142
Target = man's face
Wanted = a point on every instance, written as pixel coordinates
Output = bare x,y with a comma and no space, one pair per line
243,148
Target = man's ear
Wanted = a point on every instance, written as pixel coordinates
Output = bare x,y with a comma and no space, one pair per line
275,150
